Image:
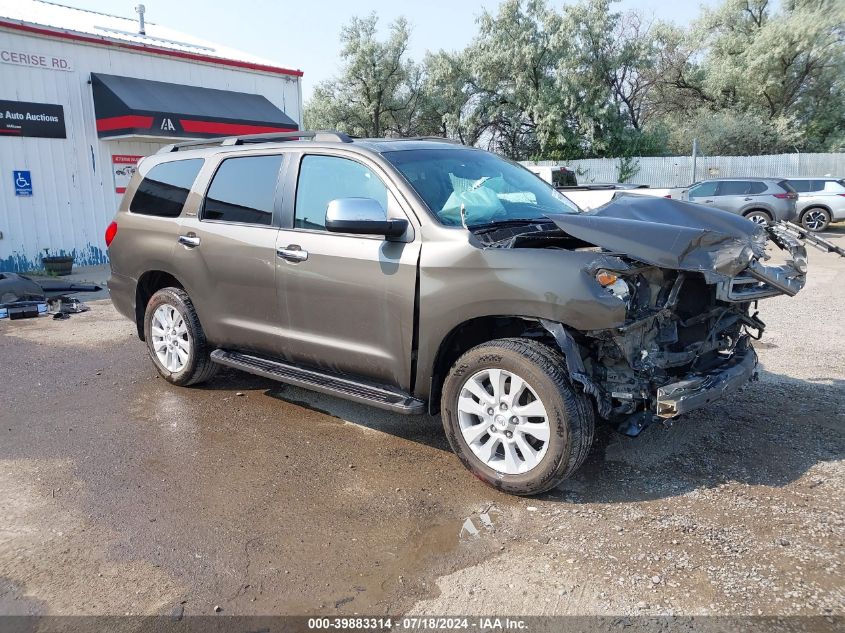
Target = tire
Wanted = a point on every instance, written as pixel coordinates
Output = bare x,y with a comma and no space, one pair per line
189,362
815,219
759,217
570,416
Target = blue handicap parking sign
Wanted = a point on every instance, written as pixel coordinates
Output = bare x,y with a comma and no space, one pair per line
23,183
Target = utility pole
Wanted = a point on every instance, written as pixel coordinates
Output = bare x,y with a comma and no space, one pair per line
694,157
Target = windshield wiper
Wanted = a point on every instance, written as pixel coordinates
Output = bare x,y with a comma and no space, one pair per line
498,224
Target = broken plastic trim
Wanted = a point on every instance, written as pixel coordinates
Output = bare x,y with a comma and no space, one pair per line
575,365
784,278
694,392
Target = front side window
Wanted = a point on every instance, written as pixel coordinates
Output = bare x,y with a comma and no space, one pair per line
326,178
489,188
704,190
243,190
165,188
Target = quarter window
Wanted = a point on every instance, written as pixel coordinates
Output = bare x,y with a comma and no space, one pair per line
326,178
243,190
165,188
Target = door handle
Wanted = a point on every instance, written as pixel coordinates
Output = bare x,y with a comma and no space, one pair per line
292,253
190,240
747,199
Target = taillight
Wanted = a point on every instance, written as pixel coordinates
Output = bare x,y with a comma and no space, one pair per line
668,195
841,194
111,231
786,196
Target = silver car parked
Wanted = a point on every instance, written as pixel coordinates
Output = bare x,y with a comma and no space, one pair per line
761,200
820,201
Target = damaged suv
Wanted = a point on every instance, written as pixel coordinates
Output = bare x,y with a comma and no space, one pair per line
418,275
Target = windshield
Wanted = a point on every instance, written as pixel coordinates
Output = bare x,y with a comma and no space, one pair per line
490,188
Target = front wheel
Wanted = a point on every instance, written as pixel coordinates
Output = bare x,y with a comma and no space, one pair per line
513,417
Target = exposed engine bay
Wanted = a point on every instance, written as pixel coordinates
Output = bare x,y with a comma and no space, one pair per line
689,279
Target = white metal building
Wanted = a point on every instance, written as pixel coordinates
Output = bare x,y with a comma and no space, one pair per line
83,95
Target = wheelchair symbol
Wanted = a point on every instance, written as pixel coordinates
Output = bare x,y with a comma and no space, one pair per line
23,183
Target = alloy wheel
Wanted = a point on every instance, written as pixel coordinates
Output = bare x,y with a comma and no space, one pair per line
503,421
814,220
170,339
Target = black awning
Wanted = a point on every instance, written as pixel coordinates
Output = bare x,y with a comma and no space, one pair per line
129,106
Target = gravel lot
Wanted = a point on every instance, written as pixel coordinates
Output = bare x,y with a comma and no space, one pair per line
121,494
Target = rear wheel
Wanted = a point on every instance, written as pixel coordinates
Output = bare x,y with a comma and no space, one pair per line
815,219
513,417
759,217
175,339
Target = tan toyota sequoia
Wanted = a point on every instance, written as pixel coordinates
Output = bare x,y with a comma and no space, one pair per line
419,275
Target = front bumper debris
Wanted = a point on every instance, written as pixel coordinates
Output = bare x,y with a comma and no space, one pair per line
694,392
759,281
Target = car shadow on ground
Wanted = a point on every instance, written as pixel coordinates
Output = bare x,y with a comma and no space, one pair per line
834,231
769,434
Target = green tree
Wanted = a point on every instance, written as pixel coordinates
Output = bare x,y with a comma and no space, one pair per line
513,93
604,80
378,88
590,80
773,81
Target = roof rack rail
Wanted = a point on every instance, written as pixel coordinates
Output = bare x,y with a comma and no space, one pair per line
441,139
270,137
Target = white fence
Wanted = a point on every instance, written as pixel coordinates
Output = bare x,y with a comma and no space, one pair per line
676,171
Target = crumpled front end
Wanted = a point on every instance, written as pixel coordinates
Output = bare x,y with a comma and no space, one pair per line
690,284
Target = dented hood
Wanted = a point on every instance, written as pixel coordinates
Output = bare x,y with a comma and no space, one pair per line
669,233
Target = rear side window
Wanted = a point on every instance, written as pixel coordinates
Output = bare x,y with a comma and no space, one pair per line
243,190
165,188
734,188
757,187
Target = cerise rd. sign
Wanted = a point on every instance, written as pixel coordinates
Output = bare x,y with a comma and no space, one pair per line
34,60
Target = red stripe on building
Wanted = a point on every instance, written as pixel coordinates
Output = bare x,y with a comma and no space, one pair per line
129,121
214,127
150,49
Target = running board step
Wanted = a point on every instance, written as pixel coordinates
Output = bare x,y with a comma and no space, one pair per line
331,384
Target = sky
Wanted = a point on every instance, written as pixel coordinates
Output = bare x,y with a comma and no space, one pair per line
303,34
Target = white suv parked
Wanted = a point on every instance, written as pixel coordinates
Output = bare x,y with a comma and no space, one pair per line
820,201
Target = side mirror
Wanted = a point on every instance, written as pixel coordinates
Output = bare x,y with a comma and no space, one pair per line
362,216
